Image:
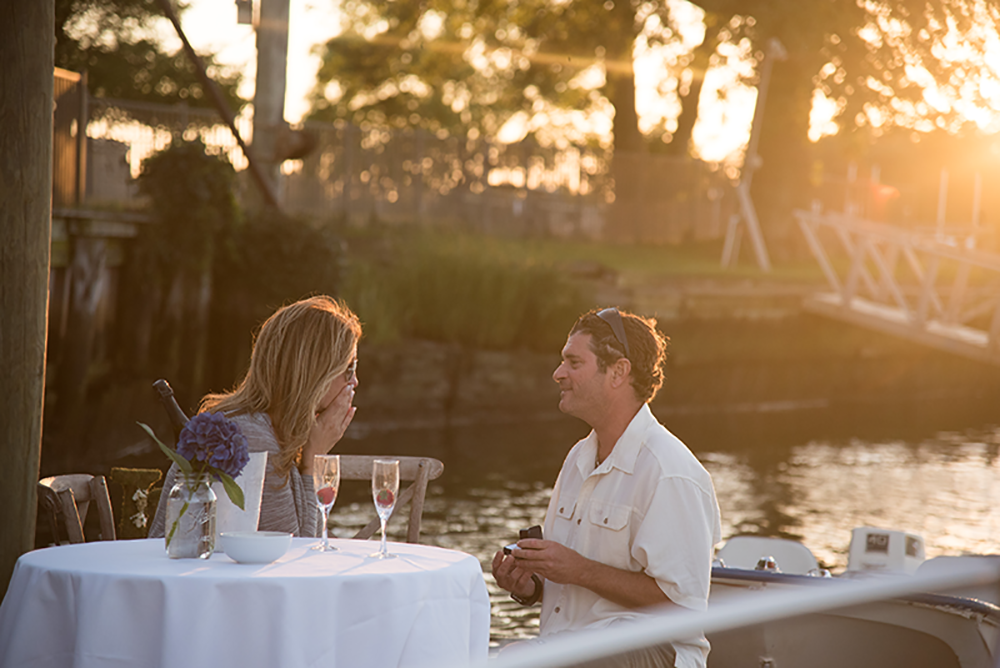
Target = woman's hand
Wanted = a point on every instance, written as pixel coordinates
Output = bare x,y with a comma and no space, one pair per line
332,421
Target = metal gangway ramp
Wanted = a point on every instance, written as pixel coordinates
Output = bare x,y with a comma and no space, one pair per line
934,289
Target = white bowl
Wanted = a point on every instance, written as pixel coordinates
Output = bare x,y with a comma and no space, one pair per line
255,547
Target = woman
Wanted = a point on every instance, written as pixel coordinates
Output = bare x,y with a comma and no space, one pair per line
294,403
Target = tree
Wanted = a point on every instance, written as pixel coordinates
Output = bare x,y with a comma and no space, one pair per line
469,67
115,41
874,60
193,196
460,65
405,72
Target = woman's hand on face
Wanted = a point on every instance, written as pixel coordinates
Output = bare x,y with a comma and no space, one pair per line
332,421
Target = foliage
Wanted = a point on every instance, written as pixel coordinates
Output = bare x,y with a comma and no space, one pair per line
267,256
117,43
463,67
398,78
272,259
464,290
193,197
207,275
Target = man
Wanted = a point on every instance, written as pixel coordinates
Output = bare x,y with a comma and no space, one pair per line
633,517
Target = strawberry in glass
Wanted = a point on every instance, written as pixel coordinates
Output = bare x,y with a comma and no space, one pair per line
326,482
385,486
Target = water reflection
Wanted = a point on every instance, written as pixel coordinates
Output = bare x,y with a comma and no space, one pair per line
940,484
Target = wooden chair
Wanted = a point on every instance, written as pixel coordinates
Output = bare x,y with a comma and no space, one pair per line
420,470
67,498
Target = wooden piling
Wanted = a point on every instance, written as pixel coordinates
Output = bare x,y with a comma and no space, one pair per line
26,90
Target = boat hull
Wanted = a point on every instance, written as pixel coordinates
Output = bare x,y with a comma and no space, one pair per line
926,630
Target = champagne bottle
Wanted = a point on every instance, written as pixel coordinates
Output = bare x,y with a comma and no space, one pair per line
166,394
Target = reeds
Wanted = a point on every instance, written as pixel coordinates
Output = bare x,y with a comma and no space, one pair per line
465,290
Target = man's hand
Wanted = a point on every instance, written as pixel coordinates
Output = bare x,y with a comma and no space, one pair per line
331,423
560,564
511,578
551,560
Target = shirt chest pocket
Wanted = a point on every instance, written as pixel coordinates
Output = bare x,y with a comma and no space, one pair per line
609,516
608,535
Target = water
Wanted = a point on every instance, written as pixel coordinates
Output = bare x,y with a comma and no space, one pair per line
808,475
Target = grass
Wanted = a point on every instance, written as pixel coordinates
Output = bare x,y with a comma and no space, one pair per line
460,289
636,263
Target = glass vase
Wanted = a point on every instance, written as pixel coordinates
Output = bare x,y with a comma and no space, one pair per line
190,526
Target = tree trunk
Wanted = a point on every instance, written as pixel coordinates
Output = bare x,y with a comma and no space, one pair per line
782,183
26,90
681,143
623,224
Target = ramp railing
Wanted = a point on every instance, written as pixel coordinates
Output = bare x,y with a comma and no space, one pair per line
935,289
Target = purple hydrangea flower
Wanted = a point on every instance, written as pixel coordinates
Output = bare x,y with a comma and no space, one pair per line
214,439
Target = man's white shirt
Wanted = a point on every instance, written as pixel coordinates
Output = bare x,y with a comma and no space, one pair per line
650,506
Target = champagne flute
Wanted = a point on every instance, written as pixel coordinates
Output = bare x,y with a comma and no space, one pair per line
385,487
326,482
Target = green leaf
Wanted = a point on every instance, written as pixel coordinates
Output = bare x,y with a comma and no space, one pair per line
183,464
232,489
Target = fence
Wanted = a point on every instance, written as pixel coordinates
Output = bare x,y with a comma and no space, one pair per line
413,176
68,147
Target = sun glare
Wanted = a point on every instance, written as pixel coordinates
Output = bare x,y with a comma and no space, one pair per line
970,93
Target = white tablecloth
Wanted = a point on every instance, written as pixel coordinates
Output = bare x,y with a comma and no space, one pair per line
124,603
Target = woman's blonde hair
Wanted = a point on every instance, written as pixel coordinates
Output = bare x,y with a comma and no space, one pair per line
297,354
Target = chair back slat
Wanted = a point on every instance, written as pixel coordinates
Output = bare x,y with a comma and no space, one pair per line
417,503
419,470
100,495
359,467
68,497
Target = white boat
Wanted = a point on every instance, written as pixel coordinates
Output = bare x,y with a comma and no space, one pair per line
955,629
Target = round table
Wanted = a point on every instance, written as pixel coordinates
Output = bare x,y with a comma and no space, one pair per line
124,603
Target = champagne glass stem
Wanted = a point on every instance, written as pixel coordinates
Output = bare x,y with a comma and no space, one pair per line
326,523
383,551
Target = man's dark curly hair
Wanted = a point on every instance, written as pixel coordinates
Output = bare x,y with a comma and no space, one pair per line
647,348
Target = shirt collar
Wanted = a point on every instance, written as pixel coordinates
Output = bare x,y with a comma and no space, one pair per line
623,456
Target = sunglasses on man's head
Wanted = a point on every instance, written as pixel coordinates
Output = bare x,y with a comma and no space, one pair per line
614,318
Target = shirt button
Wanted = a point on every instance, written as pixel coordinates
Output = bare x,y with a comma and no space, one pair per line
605,520
562,510
578,521
556,610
